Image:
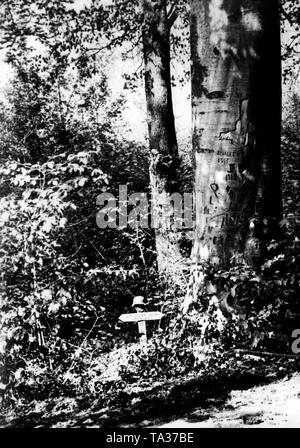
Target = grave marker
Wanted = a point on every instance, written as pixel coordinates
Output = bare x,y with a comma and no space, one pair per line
141,319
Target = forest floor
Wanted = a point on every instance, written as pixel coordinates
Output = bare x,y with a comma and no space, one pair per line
273,405
267,396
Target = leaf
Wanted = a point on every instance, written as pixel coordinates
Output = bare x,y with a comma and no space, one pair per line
62,222
53,308
4,217
47,226
46,294
82,181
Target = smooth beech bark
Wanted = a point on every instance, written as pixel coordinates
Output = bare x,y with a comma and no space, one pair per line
236,114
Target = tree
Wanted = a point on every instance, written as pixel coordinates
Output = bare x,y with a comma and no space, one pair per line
235,73
162,135
82,38
236,109
290,16
235,76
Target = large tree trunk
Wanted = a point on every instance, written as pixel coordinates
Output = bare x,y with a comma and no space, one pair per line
236,103
236,113
162,135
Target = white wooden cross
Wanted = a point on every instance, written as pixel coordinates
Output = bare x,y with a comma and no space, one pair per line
141,319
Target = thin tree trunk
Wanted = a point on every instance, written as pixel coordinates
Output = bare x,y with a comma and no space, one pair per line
162,134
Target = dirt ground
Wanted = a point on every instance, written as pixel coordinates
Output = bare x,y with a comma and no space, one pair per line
190,404
273,405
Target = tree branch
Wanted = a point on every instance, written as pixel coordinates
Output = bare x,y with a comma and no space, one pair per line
172,15
262,354
97,50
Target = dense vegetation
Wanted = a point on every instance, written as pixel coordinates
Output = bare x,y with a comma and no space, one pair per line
64,281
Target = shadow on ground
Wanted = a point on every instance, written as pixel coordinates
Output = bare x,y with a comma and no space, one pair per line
195,399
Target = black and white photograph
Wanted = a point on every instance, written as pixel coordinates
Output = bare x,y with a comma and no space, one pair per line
149,217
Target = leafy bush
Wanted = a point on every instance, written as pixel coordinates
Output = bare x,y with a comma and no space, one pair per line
63,278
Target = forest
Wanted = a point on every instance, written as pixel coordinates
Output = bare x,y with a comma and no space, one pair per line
149,164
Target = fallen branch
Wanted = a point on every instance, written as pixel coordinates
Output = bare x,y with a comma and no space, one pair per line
262,354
